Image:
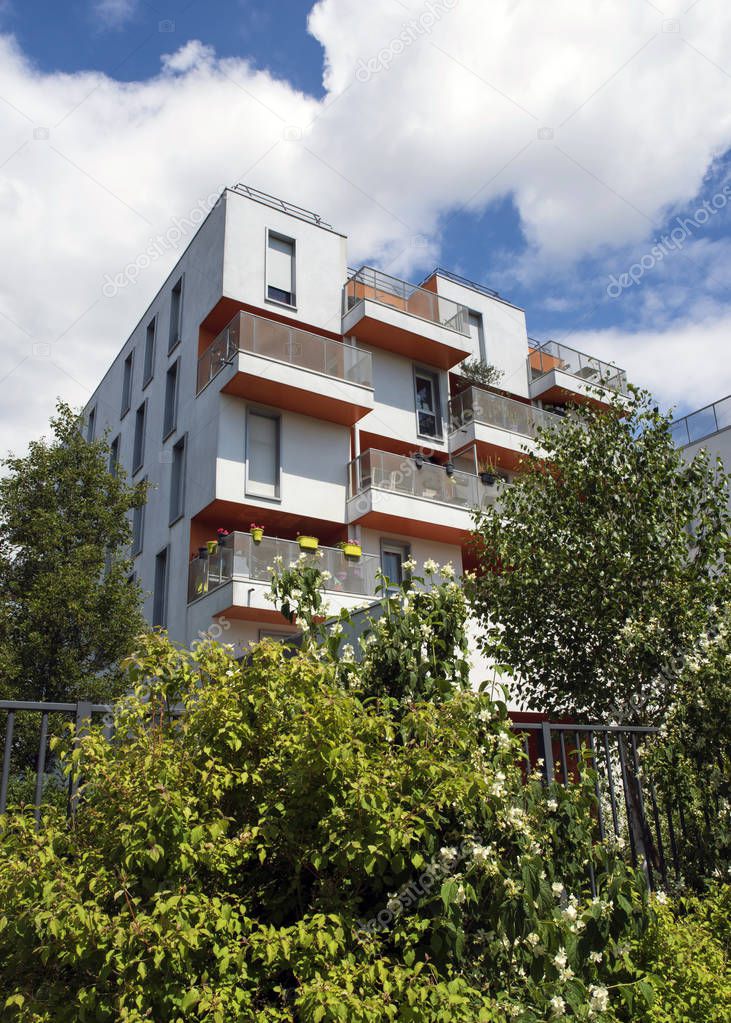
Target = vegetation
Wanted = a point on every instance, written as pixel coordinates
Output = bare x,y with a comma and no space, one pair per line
483,374
605,565
68,612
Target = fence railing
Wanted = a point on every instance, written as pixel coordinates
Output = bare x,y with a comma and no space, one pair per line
401,474
554,356
371,284
239,557
629,810
706,421
475,405
274,340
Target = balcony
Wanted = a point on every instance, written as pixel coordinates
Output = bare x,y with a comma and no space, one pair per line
561,374
701,424
409,495
501,428
277,364
239,574
404,318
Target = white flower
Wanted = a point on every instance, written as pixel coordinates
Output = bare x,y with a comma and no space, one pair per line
552,805
347,653
409,565
558,1005
570,913
661,897
326,576
485,714
394,906
595,957
460,894
337,629
533,939
448,571
431,567
599,998
560,960
448,855
557,889
481,854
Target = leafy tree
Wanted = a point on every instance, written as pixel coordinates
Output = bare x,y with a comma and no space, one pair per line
483,374
67,610
604,565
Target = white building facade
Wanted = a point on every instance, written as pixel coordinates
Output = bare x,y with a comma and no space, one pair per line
270,387
709,429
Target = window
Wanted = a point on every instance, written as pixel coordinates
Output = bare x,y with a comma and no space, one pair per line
127,383
138,528
138,448
428,412
91,424
176,315
177,481
280,269
393,556
262,454
170,412
477,335
160,591
114,455
149,367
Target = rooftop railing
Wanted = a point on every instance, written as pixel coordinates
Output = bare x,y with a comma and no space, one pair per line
553,356
283,343
239,557
703,423
416,477
371,284
477,405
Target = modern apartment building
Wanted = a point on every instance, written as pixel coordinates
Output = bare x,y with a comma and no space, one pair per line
268,384
709,428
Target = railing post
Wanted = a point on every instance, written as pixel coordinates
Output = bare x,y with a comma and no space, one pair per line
6,761
547,752
83,717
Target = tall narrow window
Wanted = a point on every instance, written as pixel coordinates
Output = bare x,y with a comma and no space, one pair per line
280,269
428,413
393,556
114,456
138,447
176,315
177,481
127,383
149,367
170,411
91,424
262,454
138,528
477,334
160,592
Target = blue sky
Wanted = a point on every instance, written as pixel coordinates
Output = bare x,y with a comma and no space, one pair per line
546,153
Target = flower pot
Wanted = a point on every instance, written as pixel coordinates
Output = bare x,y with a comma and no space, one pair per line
308,543
211,546
352,550
257,533
488,478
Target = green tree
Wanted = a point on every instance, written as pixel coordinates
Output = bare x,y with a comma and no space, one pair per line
604,565
68,612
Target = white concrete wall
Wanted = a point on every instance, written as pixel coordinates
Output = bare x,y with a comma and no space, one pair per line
506,336
321,262
718,445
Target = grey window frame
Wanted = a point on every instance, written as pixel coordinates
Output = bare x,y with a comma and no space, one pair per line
139,438
148,364
169,428
292,304
127,383
160,592
91,424
114,454
400,546
138,530
253,410
481,333
175,328
175,514
435,377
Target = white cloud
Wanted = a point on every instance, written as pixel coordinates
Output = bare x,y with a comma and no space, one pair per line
115,13
637,115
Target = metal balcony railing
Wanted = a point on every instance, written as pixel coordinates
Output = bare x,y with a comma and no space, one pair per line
553,356
371,284
240,558
479,406
283,343
415,477
703,423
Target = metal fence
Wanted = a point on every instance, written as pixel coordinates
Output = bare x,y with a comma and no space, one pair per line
629,811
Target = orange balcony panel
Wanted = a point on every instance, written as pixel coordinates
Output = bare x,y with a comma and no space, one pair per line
249,381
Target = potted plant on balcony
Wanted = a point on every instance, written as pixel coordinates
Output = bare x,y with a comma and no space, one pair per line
350,548
257,532
487,474
307,543
222,535
211,546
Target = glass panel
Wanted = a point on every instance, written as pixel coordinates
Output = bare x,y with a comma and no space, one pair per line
553,356
371,284
479,406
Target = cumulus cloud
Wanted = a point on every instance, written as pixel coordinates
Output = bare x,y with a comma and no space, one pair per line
115,13
431,108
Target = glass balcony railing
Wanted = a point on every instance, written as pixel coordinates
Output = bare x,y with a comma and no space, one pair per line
240,558
479,406
375,286
553,356
274,340
703,423
415,477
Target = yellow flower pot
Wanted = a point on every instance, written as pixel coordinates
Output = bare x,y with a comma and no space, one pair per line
212,546
256,535
308,543
352,550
